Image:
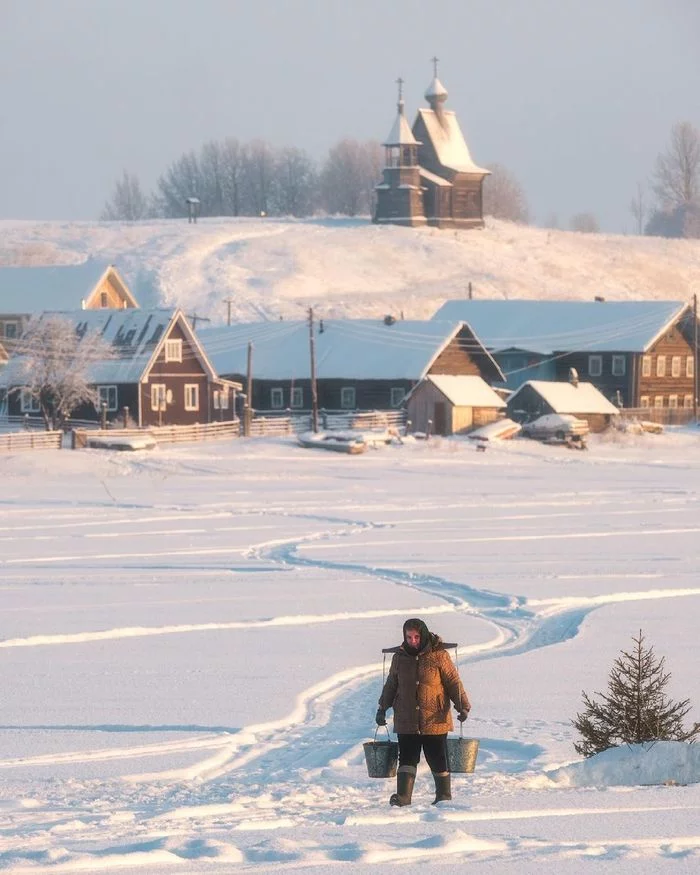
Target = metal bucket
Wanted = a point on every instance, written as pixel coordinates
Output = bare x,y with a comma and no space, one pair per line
381,757
461,753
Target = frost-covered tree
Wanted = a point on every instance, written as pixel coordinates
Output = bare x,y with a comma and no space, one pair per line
128,203
638,209
504,197
55,362
232,172
294,187
181,180
348,177
677,172
635,708
585,223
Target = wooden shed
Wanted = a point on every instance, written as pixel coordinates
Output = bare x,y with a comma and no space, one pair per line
445,405
538,397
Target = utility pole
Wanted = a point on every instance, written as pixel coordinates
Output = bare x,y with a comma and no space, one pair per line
194,318
228,302
312,353
695,357
248,410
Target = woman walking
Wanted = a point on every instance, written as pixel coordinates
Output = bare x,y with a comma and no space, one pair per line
422,682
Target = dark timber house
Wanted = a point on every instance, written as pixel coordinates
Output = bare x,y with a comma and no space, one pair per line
361,364
637,353
429,176
159,371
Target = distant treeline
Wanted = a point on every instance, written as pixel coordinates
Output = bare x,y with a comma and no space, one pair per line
231,178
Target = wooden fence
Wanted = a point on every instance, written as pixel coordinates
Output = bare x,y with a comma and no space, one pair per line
662,415
31,440
164,434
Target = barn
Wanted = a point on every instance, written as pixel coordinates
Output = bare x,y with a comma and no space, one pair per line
444,404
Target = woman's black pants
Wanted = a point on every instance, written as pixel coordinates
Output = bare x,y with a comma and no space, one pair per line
434,748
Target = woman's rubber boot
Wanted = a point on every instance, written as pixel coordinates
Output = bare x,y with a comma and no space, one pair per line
405,779
443,787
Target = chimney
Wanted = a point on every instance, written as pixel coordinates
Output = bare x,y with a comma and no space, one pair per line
573,377
600,299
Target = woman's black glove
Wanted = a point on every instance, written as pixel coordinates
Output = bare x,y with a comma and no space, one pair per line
380,718
462,716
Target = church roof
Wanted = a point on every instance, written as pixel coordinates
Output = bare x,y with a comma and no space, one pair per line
436,89
400,133
448,141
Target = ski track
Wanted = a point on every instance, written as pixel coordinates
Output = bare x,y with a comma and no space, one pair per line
259,766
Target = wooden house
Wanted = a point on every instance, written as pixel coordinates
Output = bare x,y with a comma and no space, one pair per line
637,353
26,291
361,364
539,397
446,405
159,371
429,176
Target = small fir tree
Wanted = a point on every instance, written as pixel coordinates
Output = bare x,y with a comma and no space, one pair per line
635,708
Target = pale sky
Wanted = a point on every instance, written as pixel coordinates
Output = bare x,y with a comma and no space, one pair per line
575,98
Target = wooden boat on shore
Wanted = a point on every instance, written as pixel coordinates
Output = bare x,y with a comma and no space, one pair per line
335,441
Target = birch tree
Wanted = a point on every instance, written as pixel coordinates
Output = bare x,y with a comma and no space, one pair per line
55,363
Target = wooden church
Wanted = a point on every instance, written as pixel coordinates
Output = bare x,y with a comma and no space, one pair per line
429,176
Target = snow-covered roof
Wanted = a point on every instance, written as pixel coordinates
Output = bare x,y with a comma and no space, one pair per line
133,333
433,177
567,398
466,391
345,349
435,89
448,141
58,287
400,133
546,327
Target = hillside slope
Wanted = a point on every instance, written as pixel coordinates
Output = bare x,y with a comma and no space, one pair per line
277,268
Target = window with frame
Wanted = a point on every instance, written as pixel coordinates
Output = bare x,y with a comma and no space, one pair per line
661,366
297,397
347,397
658,401
644,401
223,399
173,350
689,366
688,402
158,396
191,396
108,397
104,300
646,366
277,398
595,365
675,366
398,393
28,403
673,400
618,366
11,330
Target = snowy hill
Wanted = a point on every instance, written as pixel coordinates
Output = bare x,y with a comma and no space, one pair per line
276,268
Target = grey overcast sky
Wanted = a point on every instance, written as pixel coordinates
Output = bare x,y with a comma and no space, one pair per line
575,97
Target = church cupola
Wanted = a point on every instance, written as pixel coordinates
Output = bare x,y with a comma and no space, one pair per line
401,147
436,93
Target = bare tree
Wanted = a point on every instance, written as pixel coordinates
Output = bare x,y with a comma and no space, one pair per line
677,172
232,161
258,176
349,175
54,361
638,208
211,170
585,223
128,202
504,197
181,180
294,183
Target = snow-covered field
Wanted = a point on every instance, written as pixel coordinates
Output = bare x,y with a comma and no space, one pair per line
271,268
191,652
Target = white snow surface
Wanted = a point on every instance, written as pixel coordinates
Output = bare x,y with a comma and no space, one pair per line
350,268
191,653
